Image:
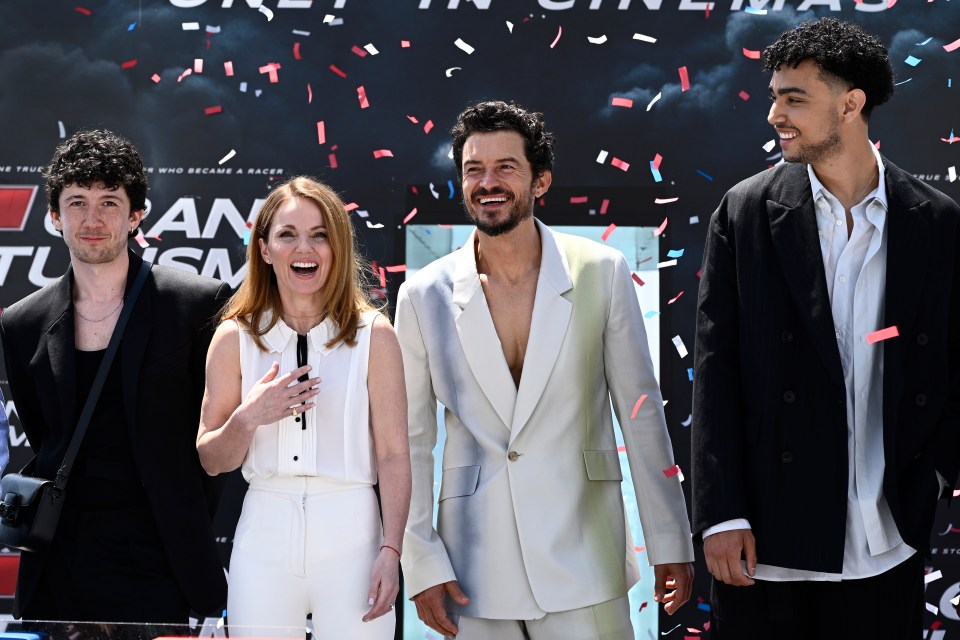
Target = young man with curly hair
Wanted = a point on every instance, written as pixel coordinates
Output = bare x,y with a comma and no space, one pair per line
134,542
819,452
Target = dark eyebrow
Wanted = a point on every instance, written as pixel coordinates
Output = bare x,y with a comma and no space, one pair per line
497,161
785,90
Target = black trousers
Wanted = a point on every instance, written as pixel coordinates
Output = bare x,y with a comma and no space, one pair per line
888,606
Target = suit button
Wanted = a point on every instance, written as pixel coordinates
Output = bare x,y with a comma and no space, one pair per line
786,336
789,396
921,400
922,339
786,457
512,456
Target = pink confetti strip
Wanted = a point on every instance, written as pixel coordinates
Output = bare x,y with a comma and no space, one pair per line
637,279
684,79
209,111
604,205
309,94
83,10
228,68
404,44
198,65
663,225
358,51
321,133
350,206
657,159
750,53
128,64
271,70
672,471
413,119
383,277
332,159
557,39
744,96
620,164
410,215
622,102
185,73
883,334
141,240
428,125
579,199
606,232
953,46
337,71
674,299
636,407
296,51
397,268
155,77
383,153
362,97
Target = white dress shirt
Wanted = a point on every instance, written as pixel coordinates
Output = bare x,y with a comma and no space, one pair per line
855,266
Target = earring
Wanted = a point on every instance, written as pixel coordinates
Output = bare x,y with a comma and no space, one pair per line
267,260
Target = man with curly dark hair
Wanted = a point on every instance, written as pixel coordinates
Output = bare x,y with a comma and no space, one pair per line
827,364
525,335
134,542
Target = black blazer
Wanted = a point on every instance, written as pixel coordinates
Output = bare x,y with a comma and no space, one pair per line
769,437
162,356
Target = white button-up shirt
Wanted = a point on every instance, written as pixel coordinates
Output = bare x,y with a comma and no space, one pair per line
855,264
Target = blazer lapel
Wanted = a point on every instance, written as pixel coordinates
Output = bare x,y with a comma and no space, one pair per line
548,327
133,344
793,228
59,345
478,336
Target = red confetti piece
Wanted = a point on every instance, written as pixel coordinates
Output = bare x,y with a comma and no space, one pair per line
883,334
557,39
672,471
579,199
383,153
337,71
636,407
744,96
350,206
640,549
128,64
684,79
620,164
637,279
953,46
155,78
332,159
750,53
209,111
672,300
271,70
603,206
407,217
663,225
383,277
296,51
642,605
228,68
83,10
935,625
357,50
321,133
428,126
606,232
622,449
404,44
657,159
362,97
397,268
622,102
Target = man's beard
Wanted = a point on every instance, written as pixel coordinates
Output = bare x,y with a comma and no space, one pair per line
819,151
520,211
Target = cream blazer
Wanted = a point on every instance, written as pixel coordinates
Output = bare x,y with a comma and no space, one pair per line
530,491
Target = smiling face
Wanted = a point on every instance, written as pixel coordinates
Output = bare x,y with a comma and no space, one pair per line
298,249
95,222
806,113
499,187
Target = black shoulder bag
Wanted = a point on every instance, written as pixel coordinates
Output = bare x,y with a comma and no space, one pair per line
31,506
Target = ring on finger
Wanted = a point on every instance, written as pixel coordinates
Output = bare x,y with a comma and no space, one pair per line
295,412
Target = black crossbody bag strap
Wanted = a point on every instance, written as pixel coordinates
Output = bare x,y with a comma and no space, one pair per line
60,483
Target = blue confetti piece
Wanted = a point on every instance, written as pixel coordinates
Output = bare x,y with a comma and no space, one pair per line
133,25
897,84
754,11
246,237
927,41
655,172
690,374
705,175
703,606
675,253
428,232
450,186
650,314
913,61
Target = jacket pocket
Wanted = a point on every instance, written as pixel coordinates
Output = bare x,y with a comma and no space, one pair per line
603,465
459,481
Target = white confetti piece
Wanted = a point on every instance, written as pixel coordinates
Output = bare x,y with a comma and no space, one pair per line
694,219
371,225
449,72
298,32
681,348
933,575
463,46
327,19
372,50
63,131
769,145
597,40
667,263
227,157
363,213
654,101
243,87
602,156
433,192
258,92
265,10
952,174
932,609
509,26
190,26
213,29
688,421
643,38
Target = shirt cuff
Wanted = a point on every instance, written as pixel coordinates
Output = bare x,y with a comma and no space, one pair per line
729,525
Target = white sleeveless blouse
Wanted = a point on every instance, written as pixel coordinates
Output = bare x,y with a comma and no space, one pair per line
332,440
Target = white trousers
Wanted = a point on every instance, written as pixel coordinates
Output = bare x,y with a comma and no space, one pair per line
605,621
305,545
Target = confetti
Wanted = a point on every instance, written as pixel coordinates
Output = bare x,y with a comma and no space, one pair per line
449,72
371,225
620,164
650,314
557,39
654,101
128,64
636,407
404,44
332,160
227,157
350,206
83,10
412,213
675,298
463,46
622,102
309,94
155,77
358,51
744,95
883,334
705,175
141,240
372,50
606,232
337,71
688,421
190,26
271,70
397,268
602,156
209,111
362,97
678,343
694,219
639,282
927,41
598,40
298,32
933,575
603,206
509,26
675,253
643,38
913,61
427,126
265,10
672,471
952,174
228,68
953,46
321,132
663,633
663,225
664,200
579,199
656,172
932,609
296,51
684,78
383,153
768,146
185,73
750,53
667,263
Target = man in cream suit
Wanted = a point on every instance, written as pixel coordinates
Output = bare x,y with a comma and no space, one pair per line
524,336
